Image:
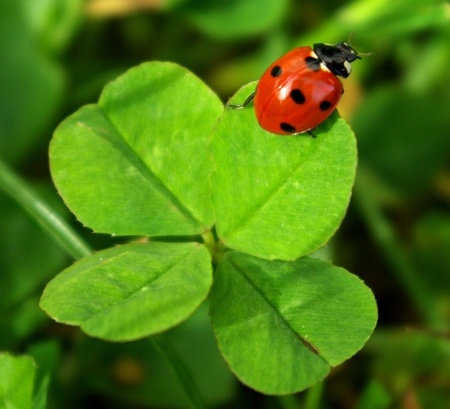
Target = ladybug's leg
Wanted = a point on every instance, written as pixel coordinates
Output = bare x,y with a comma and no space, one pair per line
312,133
246,102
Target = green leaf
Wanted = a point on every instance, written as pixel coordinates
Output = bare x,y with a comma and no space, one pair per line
136,163
131,291
279,196
16,381
264,312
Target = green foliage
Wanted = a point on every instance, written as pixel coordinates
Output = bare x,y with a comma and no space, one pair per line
21,315
16,381
374,397
46,354
223,217
137,372
397,157
30,34
407,356
237,19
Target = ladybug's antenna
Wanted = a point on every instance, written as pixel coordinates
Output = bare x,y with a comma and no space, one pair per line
349,38
349,42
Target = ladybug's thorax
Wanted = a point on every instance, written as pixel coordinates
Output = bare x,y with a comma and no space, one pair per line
337,58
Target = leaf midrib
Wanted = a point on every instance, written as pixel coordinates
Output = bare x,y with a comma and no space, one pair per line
269,196
148,173
279,315
127,297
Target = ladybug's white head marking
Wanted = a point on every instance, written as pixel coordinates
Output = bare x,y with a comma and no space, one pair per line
348,67
323,67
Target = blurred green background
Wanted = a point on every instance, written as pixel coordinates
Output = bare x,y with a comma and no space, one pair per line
56,55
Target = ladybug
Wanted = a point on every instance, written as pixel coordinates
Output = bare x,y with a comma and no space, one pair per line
301,89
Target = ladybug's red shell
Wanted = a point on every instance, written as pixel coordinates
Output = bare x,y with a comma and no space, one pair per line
296,93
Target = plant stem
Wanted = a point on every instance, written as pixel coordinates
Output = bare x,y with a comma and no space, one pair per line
287,401
385,236
314,396
210,243
180,370
40,211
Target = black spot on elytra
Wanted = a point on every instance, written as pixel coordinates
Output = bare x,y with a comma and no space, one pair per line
287,127
324,105
276,71
313,63
297,96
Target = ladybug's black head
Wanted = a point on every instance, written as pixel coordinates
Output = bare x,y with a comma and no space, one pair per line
337,58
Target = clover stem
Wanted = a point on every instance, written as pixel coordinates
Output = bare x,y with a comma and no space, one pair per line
287,402
216,248
210,243
40,211
179,368
314,396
